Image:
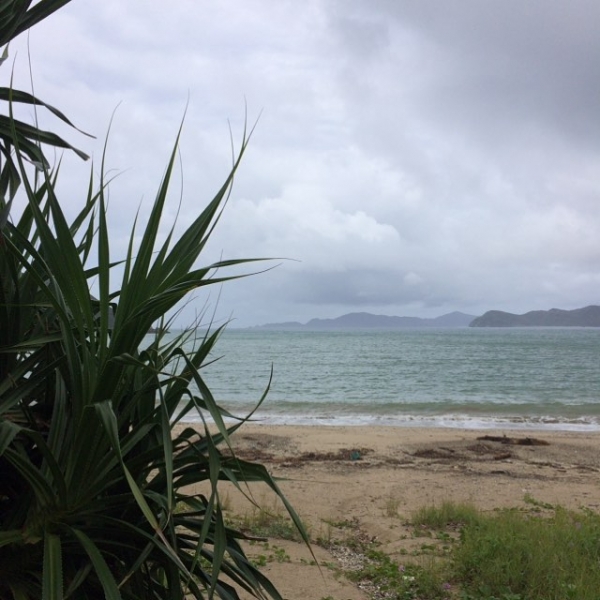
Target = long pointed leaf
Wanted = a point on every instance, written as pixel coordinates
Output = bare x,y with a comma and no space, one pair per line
53,570
109,585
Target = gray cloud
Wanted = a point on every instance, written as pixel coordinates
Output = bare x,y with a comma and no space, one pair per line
412,157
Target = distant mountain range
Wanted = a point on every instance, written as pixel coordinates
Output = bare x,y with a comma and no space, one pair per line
588,316
363,320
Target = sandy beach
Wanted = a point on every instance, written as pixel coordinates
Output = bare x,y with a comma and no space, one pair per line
373,479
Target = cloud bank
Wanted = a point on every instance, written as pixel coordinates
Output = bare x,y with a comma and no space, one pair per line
410,158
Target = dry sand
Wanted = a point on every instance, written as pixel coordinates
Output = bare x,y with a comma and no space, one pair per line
374,478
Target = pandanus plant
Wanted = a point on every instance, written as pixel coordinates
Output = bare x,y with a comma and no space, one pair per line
104,491
96,466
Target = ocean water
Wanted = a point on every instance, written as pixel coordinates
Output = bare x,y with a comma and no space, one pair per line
546,378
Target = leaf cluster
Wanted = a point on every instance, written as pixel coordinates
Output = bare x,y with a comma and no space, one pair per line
103,491
95,462
19,137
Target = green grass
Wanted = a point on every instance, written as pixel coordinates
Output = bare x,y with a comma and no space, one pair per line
383,576
532,557
503,555
267,522
446,515
510,554
402,581
267,553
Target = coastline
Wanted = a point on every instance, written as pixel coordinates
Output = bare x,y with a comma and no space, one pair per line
374,479
585,424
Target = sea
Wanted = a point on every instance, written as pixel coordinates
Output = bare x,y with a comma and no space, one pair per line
517,378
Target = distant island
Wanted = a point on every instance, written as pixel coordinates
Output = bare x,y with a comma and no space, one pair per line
588,316
364,320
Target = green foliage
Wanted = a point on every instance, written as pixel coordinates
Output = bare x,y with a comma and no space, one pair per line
399,581
512,555
486,596
93,471
17,137
517,555
267,522
506,555
446,515
269,554
102,494
391,507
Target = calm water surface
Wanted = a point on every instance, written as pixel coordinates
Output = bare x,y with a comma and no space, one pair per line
531,378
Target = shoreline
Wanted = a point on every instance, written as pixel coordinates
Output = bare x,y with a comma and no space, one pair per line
385,437
443,422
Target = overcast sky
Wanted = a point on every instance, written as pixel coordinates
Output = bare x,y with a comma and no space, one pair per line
412,157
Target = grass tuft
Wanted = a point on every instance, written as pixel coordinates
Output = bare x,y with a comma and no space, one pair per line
449,514
267,522
391,507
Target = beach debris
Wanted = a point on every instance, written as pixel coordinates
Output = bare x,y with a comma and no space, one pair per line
502,456
483,449
503,439
434,453
355,455
352,454
583,467
295,460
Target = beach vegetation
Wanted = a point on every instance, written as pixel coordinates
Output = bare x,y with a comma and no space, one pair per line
508,554
538,557
26,140
267,521
446,515
387,578
267,553
343,523
105,491
392,505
